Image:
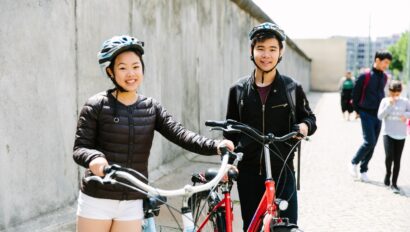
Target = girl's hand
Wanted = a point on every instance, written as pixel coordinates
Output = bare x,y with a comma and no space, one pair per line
97,166
227,143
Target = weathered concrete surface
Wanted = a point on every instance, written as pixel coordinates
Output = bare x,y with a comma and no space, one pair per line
37,109
194,51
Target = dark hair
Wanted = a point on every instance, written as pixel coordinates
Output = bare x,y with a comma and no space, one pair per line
383,55
395,86
260,37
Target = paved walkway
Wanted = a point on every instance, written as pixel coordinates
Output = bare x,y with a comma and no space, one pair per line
330,200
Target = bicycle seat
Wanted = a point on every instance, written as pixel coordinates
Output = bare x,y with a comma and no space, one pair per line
211,173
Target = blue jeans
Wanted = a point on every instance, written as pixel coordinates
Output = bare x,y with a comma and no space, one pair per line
371,126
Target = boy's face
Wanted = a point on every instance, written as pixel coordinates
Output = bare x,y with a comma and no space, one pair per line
382,65
267,53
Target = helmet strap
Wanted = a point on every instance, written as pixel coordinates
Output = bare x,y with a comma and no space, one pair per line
117,86
115,110
263,72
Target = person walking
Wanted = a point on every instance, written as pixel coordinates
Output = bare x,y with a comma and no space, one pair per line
117,127
394,111
271,103
367,95
346,87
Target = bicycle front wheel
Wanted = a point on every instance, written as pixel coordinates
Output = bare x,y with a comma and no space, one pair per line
201,205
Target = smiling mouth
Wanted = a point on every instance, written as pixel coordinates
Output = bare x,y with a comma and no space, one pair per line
131,81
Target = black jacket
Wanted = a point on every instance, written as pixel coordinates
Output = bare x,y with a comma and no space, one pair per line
373,94
277,116
129,141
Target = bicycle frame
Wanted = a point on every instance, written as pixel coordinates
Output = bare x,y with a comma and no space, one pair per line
267,204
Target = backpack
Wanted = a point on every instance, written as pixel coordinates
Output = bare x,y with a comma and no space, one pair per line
347,84
366,80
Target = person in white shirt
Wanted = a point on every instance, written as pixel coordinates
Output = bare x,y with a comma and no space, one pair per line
394,111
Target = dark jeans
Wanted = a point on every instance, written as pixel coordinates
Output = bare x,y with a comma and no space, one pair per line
251,187
371,126
393,149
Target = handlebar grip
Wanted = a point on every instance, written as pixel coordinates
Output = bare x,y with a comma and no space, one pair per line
107,169
224,150
212,123
111,168
94,179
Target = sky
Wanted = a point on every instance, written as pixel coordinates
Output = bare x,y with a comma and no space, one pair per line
302,19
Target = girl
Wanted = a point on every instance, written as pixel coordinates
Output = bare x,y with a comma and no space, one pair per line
394,111
117,127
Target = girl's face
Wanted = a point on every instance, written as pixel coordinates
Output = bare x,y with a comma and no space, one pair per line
394,94
267,53
128,71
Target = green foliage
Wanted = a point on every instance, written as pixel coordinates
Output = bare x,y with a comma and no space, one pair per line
399,52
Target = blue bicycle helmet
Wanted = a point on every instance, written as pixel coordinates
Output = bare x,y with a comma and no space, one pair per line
114,46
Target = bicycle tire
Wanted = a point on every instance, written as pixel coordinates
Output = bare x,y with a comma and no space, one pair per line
201,205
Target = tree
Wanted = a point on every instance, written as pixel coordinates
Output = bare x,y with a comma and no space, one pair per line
399,52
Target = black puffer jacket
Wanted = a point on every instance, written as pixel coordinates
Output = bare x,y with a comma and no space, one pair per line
129,141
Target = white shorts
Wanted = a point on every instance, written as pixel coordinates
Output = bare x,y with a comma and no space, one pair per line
107,209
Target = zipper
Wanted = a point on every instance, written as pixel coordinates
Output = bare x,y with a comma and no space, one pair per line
263,133
281,105
130,135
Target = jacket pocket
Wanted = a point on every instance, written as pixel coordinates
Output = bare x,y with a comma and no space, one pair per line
280,105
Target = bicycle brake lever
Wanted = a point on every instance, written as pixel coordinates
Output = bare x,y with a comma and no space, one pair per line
228,130
239,156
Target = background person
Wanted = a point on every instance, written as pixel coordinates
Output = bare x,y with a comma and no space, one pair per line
346,87
394,111
367,95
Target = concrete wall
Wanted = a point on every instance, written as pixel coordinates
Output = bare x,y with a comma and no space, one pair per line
328,61
194,51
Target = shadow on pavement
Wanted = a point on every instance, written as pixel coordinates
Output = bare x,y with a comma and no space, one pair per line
404,190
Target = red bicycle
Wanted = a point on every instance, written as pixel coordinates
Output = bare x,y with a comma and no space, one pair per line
266,217
212,210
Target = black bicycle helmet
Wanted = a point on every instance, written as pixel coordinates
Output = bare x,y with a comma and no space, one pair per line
267,28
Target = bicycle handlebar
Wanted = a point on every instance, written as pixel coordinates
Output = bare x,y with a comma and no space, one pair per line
232,126
114,171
